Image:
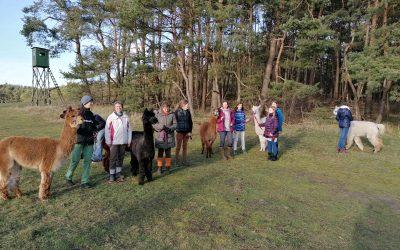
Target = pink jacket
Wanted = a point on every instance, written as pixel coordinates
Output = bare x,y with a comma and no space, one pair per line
221,120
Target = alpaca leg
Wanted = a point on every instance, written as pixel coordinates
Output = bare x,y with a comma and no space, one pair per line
50,178
350,140
142,165
44,185
202,146
359,143
148,170
13,182
5,166
376,142
134,165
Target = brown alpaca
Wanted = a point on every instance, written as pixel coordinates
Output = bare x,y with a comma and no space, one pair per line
44,154
208,134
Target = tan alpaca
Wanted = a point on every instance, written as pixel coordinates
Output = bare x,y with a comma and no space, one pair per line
44,154
208,134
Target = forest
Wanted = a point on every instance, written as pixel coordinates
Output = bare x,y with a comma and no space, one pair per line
300,52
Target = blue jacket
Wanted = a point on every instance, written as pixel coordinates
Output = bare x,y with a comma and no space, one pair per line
281,119
344,117
240,120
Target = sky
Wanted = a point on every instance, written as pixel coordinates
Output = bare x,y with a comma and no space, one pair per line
15,54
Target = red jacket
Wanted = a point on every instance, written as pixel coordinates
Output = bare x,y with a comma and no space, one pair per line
221,120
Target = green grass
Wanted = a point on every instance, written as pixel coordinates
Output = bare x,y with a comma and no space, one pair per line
310,198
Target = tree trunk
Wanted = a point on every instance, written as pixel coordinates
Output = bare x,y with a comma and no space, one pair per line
337,74
268,68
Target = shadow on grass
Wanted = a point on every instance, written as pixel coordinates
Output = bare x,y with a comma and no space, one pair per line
377,227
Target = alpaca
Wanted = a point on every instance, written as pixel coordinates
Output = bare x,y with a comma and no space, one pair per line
208,134
367,129
256,112
44,154
142,148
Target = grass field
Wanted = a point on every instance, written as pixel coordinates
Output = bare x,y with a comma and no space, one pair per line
310,198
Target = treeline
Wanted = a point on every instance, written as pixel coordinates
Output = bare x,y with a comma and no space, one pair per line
145,51
13,93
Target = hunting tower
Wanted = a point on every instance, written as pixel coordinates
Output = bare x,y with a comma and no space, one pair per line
41,75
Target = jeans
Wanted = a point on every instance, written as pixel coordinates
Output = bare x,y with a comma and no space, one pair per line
241,135
272,147
181,141
225,136
97,147
343,138
77,152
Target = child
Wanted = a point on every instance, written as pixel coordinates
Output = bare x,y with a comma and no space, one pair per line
271,133
225,123
344,118
240,127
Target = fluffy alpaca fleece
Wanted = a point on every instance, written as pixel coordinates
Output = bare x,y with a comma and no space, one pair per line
256,111
367,129
44,154
208,134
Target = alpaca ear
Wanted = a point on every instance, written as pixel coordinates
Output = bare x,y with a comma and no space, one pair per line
62,116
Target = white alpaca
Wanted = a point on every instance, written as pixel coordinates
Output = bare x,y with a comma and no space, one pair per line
370,130
256,111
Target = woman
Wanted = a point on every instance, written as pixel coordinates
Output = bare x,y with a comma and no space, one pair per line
271,133
225,122
344,118
118,135
165,139
240,127
184,126
84,143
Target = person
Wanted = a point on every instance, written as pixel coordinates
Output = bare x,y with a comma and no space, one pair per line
281,120
84,143
271,133
344,118
239,128
98,147
184,126
118,136
225,124
165,138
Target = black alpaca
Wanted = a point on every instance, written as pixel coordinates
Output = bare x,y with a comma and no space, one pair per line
142,148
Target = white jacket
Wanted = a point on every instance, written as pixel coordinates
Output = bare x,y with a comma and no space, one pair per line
118,130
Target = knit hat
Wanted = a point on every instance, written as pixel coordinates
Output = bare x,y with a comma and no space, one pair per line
85,99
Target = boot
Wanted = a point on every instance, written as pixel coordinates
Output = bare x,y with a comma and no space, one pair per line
269,156
111,178
229,152
119,177
168,165
177,161
159,165
222,151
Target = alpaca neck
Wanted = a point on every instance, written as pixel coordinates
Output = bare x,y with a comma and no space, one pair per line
213,122
67,139
148,131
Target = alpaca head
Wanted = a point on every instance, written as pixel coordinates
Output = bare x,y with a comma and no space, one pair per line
149,117
335,110
72,117
215,113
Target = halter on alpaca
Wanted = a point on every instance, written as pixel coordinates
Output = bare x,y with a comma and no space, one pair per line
256,113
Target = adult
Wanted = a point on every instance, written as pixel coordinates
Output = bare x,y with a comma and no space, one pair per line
97,147
84,143
225,123
165,139
240,128
344,118
184,126
281,120
118,135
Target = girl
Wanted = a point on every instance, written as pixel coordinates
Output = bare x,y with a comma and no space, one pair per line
84,143
183,130
344,118
165,139
271,133
225,123
240,127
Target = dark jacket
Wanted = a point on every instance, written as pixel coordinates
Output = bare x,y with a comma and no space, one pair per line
281,118
344,117
101,123
271,127
240,120
85,132
184,123
165,128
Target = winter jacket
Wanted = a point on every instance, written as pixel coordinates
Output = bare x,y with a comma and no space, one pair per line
184,123
118,130
271,127
344,117
165,128
281,118
240,120
85,132
221,120
101,123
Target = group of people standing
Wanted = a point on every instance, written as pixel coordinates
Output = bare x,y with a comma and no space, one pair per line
173,129
231,127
